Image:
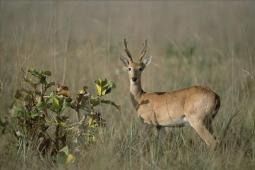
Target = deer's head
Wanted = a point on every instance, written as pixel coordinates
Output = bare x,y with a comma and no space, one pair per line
135,69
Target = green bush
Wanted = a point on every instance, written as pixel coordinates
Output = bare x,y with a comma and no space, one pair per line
41,116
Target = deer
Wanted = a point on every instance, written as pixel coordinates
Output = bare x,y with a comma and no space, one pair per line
196,106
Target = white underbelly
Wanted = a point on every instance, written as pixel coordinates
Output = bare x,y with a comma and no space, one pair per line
175,122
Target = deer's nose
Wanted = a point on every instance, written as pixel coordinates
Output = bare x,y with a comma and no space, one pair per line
134,79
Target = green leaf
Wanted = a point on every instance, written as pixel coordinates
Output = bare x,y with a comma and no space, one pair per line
64,156
83,90
99,87
70,159
43,79
41,106
110,86
104,87
41,75
55,103
33,114
18,111
66,103
46,73
65,150
94,101
34,72
92,123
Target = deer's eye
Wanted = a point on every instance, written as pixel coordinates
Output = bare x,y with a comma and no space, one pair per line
129,69
140,69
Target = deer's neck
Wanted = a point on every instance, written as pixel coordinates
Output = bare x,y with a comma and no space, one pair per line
136,92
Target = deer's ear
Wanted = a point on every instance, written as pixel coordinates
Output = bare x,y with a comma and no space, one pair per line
125,61
146,60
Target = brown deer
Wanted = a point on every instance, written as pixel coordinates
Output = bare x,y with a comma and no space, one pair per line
196,105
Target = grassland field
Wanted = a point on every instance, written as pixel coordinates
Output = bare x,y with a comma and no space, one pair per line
209,43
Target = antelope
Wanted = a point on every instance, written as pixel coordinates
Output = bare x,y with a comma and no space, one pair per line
196,105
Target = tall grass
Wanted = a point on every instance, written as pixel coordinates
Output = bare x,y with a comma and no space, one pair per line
205,43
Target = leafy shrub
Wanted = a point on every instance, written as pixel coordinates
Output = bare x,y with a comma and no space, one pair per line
42,111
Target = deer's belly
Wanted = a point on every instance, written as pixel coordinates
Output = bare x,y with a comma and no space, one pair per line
177,122
159,116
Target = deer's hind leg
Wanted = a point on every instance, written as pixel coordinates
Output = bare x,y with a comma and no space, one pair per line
203,132
208,124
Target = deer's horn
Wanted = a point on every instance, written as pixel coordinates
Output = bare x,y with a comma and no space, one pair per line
127,51
143,52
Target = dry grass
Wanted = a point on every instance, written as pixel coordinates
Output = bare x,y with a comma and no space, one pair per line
207,43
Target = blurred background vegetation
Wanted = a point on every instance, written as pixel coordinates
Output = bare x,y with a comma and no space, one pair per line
191,43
